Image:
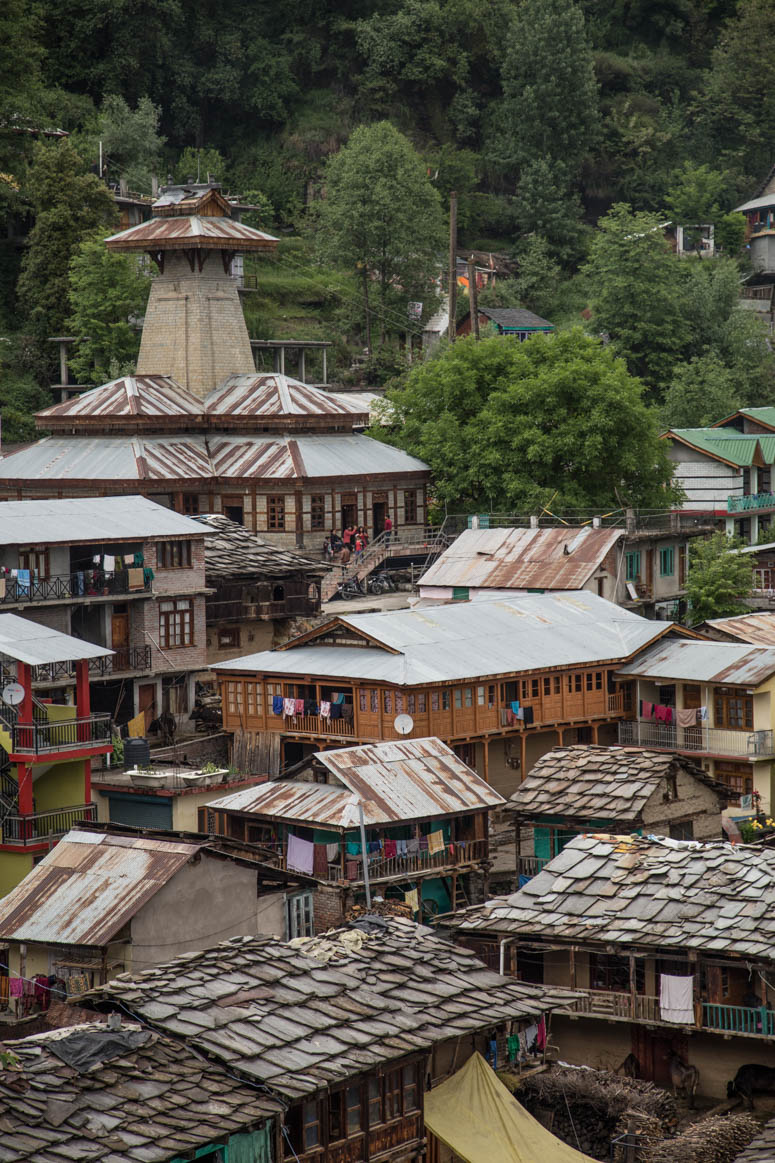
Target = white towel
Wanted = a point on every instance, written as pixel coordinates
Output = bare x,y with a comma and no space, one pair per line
676,999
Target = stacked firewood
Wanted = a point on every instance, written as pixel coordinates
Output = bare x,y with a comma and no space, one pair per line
586,1108
718,1139
382,908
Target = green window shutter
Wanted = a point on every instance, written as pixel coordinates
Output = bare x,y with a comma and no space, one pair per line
632,563
667,562
460,593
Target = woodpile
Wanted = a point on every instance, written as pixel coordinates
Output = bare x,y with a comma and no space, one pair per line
718,1139
384,908
587,1108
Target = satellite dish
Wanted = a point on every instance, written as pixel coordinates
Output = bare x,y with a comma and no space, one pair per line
13,694
403,724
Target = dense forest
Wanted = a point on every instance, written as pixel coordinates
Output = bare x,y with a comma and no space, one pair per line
569,129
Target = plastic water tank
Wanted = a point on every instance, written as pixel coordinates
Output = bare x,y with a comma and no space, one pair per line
137,753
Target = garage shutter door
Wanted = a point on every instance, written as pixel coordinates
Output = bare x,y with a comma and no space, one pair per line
141,811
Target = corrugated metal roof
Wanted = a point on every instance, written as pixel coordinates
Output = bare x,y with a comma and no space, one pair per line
273,395
121,458
37,645
85,519
466,640
130,397
89,886
764,415
756,203
724,444
191,231
721,662
555,559
757,629
410,780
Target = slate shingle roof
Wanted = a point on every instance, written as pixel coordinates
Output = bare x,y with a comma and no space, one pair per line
600,783
153,1102
302,1017
231,550
626,890
761,1149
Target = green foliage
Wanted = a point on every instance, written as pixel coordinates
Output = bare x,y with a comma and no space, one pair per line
108,293
486,417
131,144
700,393
696,194
381,217
69,203
718,578
198,163
636,287
538,276
21,395
730,233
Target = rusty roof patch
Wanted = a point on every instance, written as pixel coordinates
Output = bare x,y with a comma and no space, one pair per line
756,629
703,661
191,231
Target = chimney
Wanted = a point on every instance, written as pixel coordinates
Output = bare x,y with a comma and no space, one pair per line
533,522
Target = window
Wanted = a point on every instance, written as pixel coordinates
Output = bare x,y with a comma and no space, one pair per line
310,1118
415,703
190,504
485,693
598,680
733,710
682,830
632,566
439,700
410,507
352,1098
317,513
666,562
547,686
275,510
234,698
460,593
387,702
228,637
174,554
301,917
400,708
557,684
35,560
458,698
534,688
411,1089
176,623
468,696
737,777
393,1095
590,680
375,1101
278,593
253,699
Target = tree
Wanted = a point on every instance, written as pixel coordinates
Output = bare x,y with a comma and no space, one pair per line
108,293
131,144
21,394
382,217
198,163
718,579
702,391
555,419
69,203
637,293
696,194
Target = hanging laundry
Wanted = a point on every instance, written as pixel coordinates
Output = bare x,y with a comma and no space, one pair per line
16,987
299,706
320,862
687,717
435,842
412,846
541,1035
310,707
135,579
109,562
390,849
336,710
411,899
702,715
512,1044
353,847
325,710
531,1033
528,715
347,712
277,704
646,709
515,706
520,715
401,847
289,707
301,855
332,852
423,843
339,698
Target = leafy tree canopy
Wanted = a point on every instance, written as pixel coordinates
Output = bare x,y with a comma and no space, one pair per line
108,295
557,418
718,578
701,392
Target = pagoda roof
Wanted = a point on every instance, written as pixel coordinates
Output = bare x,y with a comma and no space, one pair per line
146,399
190,231
273,397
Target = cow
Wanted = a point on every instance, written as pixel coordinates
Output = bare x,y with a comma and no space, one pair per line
164,725
683,1077
749,1078
630,1068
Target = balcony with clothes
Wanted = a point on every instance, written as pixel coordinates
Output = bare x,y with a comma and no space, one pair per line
62,573
699,738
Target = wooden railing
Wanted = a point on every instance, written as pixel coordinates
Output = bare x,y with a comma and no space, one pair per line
457,853
738,1019
316,725
618,1005
531,865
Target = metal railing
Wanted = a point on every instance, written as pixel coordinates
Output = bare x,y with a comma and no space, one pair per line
64,735
749,503
397,543
90,583
738,1019
713,740
124,659
40,826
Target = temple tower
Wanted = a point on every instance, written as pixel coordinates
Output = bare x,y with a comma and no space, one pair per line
194,328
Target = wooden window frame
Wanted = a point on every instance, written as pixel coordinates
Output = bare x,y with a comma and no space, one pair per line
275,513
176,625
173,555
667,557
31,559
317,511
229,637
724,705
410,506
632,566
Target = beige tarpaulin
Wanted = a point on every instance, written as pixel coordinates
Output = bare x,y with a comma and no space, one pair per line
474,1114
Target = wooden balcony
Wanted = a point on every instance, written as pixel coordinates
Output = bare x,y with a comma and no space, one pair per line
724,1019
605,1004
738,1019
531,865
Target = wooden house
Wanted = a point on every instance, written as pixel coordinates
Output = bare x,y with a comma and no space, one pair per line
572,790
669,941
425,826
501,681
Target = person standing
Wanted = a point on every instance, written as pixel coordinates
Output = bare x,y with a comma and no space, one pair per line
347,533
358,548
388,527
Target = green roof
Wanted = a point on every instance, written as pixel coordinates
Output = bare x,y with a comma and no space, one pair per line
764,415
724,444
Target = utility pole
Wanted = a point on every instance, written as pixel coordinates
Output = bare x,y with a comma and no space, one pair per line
473,296
452,265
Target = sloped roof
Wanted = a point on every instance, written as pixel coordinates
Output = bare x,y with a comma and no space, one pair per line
231,550
38,645
726,444
415,779
759,203
89,886
611,784
761,1149
136,398
693,661
552,559
305,1015
757,629
467,640
85,519
270,396
125,1108
191,231
516,317
764,416
629,890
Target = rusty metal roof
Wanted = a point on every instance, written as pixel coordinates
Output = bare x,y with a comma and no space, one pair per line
756,629
416,779
89,886
549,559
271,395
719,662
130,397
189,232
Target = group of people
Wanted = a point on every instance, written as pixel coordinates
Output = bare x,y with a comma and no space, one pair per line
352,543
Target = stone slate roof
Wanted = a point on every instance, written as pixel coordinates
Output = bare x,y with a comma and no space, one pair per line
626,890
231,550
761,1149
515,317
151,1102
601,783
307,1014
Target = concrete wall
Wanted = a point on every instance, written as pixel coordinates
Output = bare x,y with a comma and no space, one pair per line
707,482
